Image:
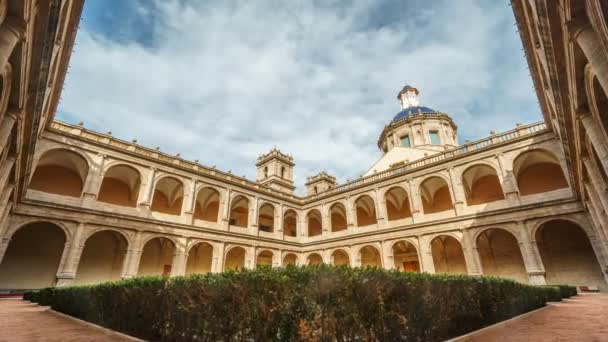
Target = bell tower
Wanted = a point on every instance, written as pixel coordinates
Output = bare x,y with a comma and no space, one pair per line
275,170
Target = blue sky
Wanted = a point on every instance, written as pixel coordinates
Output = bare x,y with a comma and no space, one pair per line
224,81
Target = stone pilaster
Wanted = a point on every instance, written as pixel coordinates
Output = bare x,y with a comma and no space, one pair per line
68,266
146,191
531,255
180,257
93,181
457,192
597,138
471,254
601,188
217,265
133,256
426,254
416,204
589,41
507,181
380,206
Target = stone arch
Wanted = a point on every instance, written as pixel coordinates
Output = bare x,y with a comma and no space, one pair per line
5,88
537,171
435,195
290,259
120,185
157,256
314,222
235,258
60,171
314,259
207,204
481,184
200,258
448,256
264,258
266,217
397,203
168,196
598,101
365,209
239,211
405,256
337,215
370,256
102,257
567,254
500,254
34,252
290,223
339,257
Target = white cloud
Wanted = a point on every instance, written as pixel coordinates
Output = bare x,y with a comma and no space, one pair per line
225,83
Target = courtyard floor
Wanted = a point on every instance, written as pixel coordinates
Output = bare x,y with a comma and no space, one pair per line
582,318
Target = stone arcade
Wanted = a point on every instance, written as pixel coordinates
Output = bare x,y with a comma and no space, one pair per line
531,204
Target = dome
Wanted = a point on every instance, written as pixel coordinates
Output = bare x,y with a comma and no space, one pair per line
412,111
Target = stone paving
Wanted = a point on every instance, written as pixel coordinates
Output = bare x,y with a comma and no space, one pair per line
23,321
582,318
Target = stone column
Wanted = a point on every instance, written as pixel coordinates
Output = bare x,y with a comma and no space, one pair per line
11,32
188,206
601,188
350,218
147,191
8,122
531,255
592,46
180,256
225,209
596,137
426,254
325,220
279,222
471,254
217,265
602,215
380,208
71,257
253,217
249,257
415,202
93,181
387,255
457,192
133,256
507,181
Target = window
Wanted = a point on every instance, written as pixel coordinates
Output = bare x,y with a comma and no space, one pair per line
434,135
266,172
405,141
282,172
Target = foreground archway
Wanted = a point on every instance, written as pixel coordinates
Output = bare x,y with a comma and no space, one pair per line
337,214
500,255
313,221
200,258
567,255
397,204
32,257
60,172
290,219
102,258
481,185
448,256
405,257
538,171
314,259
120,186
264,259
366,211
168,196
207,206
157,258
239,212
235,259
370,257
435,195
340,258
290,259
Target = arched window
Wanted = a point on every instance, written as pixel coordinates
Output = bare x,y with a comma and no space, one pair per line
337,214
282,172
290,259
370,257
366,211
168,196
235,259
200,258
397,204
448,256
157,257
538,171
314,221
265,171
405,257
435,195
60,172
314,259
239,212
266,218
120,186
207,205
340,258
290,220
264,259
481,185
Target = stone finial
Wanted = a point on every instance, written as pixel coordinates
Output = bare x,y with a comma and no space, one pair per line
80,123
134,141
158,148
109,133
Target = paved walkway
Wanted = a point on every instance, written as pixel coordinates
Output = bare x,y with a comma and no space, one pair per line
581,318
22,321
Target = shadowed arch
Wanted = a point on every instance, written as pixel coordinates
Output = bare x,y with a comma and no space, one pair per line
264,259
168,196
239,212
61,172
397,204
370,256
290,259
120,186
266,218
435,195
366,211
290,223
340,258
102,258
481,184
314,222
207,205
200,258
235,258
538,171
157,257
405,256
314,259
448,256
500,255
337,214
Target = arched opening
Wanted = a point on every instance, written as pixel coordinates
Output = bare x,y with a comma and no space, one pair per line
448,256
207,205
337,214
157,257
264,259
120,186
340,258
290,259
266,218
481,185
290,223
567,255
235,259
405,257
397,204
60,172
200,258
435,195
313,221
102,258
500,255
239,212
370,257
32,257
282,172
168,196
314,259
366,211
538,171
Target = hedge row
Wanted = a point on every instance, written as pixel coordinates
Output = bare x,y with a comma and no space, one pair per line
315,303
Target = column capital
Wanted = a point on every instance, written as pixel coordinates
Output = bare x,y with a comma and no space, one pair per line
577,25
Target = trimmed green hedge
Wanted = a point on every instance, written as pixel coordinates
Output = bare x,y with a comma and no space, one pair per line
320,303
567,291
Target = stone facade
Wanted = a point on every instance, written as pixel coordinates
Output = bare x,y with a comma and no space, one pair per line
528,204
